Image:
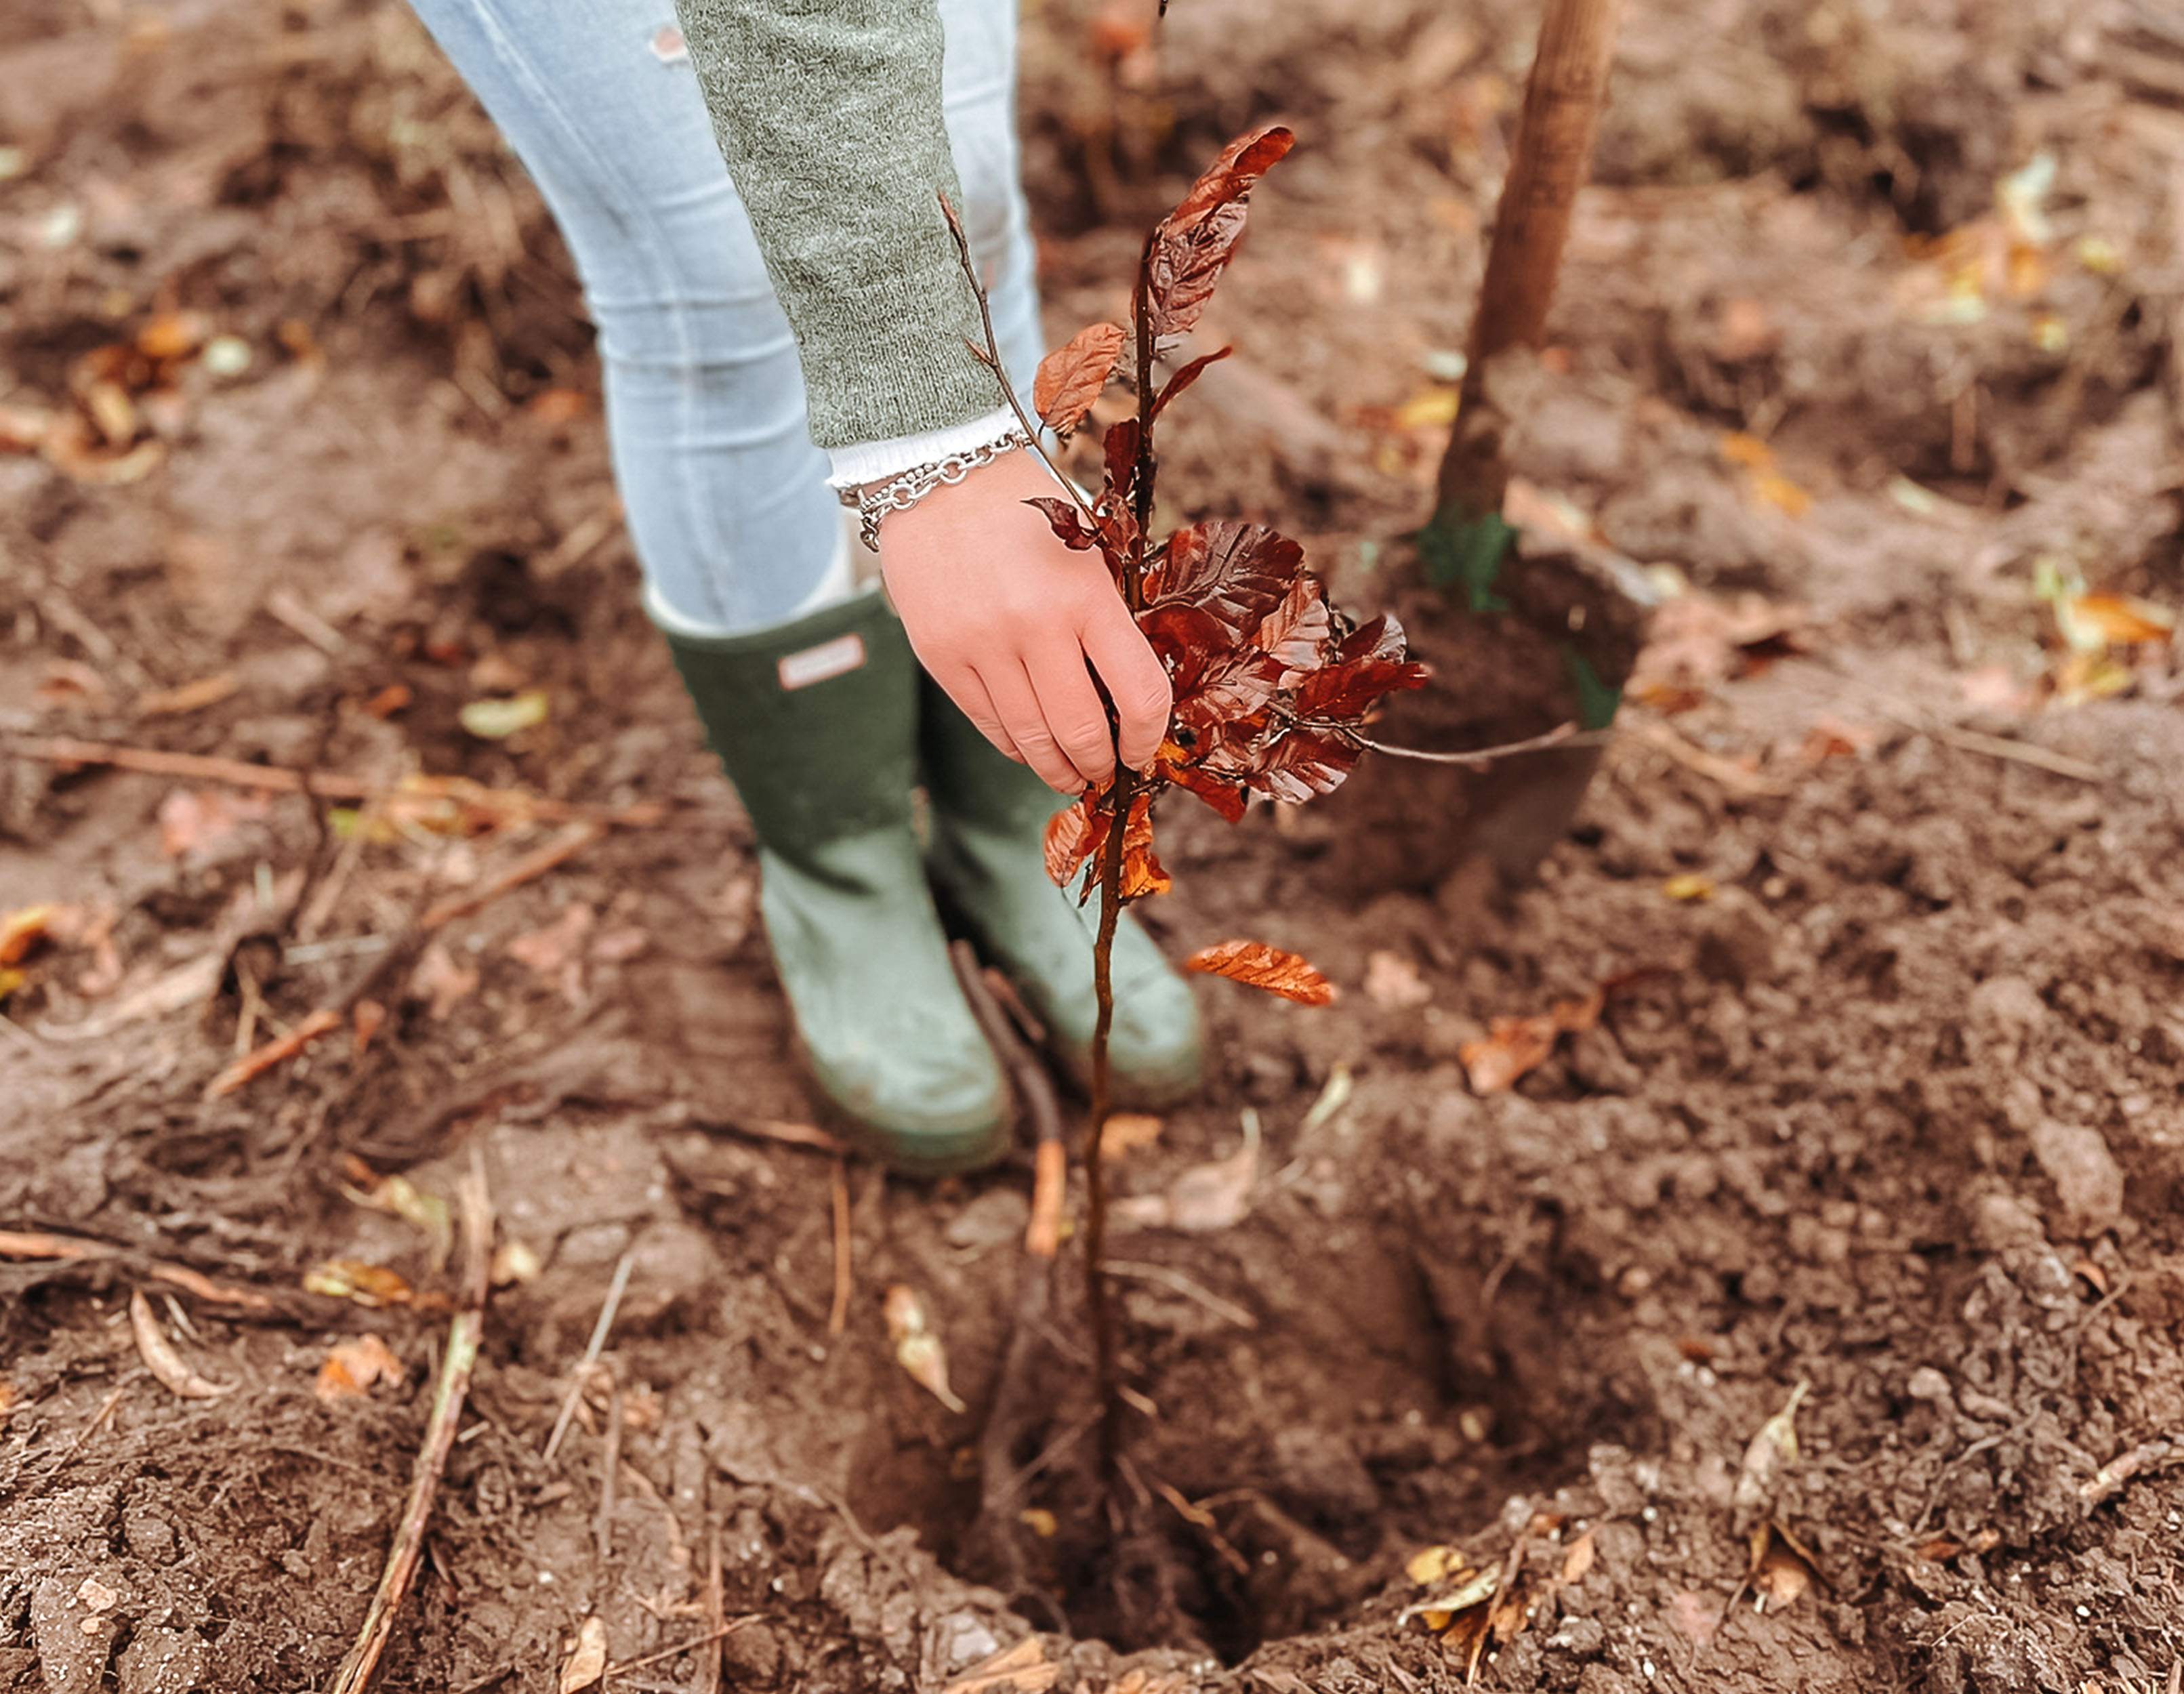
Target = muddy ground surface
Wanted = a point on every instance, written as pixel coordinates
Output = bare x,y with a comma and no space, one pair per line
1879,1123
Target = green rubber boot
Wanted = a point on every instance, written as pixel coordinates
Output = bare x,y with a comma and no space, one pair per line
816,722
989,817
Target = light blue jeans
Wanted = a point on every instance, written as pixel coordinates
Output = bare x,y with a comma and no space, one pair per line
725,496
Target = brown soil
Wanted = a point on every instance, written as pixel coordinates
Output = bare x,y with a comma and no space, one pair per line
1897,1114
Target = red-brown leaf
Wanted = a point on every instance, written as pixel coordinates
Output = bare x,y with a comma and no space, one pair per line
1184,377
1226,795
1068,523
1073,376
1237,571
1294,631
1515,1045
1073,834
1261,966
1195,242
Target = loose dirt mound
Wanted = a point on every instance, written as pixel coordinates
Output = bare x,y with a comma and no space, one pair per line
1808,1317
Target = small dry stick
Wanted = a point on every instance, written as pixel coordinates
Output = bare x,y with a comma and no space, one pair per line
591,1355
240,773
464,1334
1998,747
838,1320
1104,1340
536,863
709,1678
990,356
610,1465
260,1060
667,1652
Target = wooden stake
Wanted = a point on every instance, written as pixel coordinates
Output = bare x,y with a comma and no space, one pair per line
1553,154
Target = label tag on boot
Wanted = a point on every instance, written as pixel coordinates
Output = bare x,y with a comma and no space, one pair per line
829,658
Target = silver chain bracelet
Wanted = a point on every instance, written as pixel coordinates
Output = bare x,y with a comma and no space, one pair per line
875,500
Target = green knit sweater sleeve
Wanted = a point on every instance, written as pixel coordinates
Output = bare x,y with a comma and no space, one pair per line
829,114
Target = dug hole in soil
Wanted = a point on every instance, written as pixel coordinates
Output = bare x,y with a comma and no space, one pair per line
1808,1317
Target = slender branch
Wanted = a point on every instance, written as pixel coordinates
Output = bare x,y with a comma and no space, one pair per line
1562,735
990,357
464,1334
1141,476
1108,1371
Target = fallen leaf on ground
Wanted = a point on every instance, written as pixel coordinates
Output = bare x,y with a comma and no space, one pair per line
23,929
587,1661
1578,1559
1023,1669
2091,622
496,719
1780,1573
559,406
515,1261
556,953
1514,1046
917,1348
1435,1564
1695,1615
440,982
1125,1131
1831,737
1696,640
69,682
352,1367
399,1197
367,1018
161,1359
1204,1197
193,820
1392,982
1768,1450
1261,967
1691,886
354,1280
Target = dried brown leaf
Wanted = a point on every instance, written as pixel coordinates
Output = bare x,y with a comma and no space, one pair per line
1515,1045
917,1347
351,1368
1259,966
1074,375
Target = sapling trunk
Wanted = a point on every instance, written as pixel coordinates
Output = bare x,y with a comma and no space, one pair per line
1553,154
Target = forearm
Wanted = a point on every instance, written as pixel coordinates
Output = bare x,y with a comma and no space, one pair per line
828,113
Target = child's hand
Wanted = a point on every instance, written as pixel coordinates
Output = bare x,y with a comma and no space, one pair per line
1007,620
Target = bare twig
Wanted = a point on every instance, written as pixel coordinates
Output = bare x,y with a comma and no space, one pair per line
838,1320
1562,735
1728,772
591,1354
990,357
1997,747
610,1465
260,1060
324,784
16,1244
1104,1338
464,1334
667,1652
564,847
786,1133
1227,1310
708,1677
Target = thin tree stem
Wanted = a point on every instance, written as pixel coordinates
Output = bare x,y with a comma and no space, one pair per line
1103,1345
1141,476
990,357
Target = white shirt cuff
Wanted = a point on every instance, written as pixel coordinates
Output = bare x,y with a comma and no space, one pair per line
874,461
